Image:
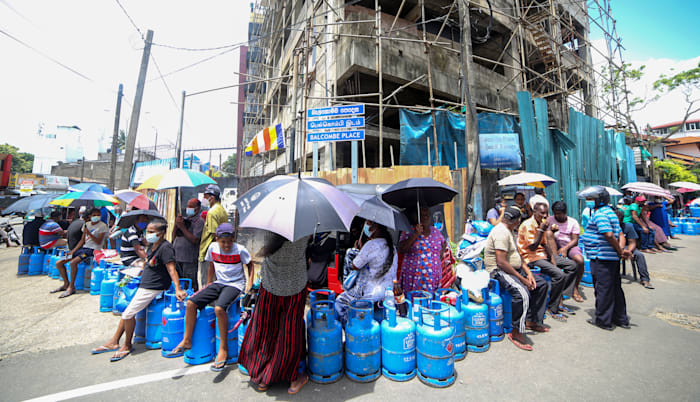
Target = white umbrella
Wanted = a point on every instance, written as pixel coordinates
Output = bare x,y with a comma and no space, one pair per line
613,192
530,179
685,186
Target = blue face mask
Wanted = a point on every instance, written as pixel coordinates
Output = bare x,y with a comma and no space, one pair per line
590,204
141,225
438,225
366,231
189,212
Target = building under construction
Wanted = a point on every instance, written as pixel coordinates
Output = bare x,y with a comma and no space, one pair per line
419,55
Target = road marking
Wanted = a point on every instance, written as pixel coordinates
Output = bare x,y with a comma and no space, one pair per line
127,382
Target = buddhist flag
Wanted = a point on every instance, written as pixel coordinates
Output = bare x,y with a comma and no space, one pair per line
268,139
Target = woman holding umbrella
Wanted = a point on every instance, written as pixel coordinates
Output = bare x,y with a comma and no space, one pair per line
422,263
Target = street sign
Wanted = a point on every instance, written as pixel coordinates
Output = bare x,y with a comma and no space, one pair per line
354,135
334,124
336,111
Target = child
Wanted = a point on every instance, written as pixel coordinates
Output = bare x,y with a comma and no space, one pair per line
226,259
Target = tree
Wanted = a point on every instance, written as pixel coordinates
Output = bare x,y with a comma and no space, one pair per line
673,171
121,140
229,166
689,84
22,162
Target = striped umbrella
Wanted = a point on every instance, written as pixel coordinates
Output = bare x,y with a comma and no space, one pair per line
135,199
87,198
176,178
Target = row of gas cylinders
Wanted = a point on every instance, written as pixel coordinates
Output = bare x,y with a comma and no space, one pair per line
37,261
687,226
438,330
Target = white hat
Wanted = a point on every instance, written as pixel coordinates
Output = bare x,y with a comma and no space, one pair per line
82,209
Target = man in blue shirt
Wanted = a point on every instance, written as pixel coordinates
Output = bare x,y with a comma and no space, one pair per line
601,241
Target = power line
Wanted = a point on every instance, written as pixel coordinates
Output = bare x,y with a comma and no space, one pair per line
131,20
155,63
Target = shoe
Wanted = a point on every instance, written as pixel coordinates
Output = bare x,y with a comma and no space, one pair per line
595,323
625,326
647,285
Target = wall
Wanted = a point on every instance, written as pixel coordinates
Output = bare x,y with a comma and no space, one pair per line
685,149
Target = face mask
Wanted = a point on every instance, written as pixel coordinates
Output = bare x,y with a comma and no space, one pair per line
30,218
590,204
205,203
438,225
141,225
189,211
94,219
366,231
152,237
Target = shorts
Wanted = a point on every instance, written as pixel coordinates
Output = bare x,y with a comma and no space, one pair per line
142,298
84,253
574,251
223,294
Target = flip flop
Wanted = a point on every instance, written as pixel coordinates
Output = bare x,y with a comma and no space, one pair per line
537,328
262,387
66,294
101,349
647,285
578,298
520,345
558,316
292,391
567,310
218,366
61,289
178,351
119,355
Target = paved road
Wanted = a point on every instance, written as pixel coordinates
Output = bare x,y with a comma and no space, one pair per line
45,347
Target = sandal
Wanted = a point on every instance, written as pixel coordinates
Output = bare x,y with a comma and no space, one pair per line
61,289
66,294
536,328
567,310
103,349
120,355
523,346
262,387
578,298
178,351
558,316
292,391
218,366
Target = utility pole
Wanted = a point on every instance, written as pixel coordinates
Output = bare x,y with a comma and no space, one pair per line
155,145
178,144
115,137
82,169
471,128
293,140
135,113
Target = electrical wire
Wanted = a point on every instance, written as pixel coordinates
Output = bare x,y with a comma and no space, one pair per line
155,63
131,20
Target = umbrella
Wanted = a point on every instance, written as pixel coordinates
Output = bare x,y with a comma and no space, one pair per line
129,218
648,189
294,207
695,201
87,198
418,191
98,188
685,186
26,204
585,192
376,210
530,179
176,178
135,199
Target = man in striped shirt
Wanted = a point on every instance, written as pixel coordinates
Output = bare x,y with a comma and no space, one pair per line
601,242
50,233
131,247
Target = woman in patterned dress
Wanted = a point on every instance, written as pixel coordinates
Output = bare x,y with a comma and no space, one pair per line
421,268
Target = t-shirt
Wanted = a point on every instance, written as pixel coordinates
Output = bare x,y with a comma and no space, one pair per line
526,236
628,212
596,246
629,232
49,233
96,229
130,238
501,238
30,232
155,274
492,214
215,217
185,250
566,230
229,266
75,232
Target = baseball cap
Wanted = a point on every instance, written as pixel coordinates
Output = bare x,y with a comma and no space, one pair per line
213,189
511,213
225,229
640,198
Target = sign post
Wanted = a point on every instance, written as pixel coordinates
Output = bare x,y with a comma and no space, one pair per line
336,123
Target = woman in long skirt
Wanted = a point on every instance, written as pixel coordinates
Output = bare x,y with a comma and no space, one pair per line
275,341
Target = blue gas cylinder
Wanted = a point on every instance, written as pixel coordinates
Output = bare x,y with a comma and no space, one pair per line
241,333
316,295
495,303
23,263
455,316
587,278
398,344
107,291
325,336
434,347
126,293
46,266
203,342
476,322
54,256
36,261
140,328
80,277
96,277
154,324
233,314
418,298
115,297
362,343
507,310
173,324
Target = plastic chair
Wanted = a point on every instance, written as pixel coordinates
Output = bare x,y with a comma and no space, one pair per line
624,267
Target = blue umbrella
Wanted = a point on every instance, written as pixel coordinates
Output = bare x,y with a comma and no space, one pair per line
98,188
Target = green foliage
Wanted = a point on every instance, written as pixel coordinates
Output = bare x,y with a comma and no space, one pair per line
22,162
615,83
685,80
673,171
229,166
121,140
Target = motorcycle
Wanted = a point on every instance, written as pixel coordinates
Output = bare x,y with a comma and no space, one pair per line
11,233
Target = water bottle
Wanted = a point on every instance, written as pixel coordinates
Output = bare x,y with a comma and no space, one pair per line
389,297
468,228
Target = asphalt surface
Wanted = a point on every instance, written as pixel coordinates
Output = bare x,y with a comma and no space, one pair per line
45,349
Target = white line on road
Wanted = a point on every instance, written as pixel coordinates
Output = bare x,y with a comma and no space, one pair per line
127,382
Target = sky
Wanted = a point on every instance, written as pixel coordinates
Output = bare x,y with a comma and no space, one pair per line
102,47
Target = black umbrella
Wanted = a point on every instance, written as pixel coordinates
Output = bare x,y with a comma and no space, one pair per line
420,191
129,219
376,210
26,204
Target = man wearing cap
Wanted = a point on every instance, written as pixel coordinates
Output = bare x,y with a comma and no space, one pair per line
645,233
215,217
504,264
30,232
188,231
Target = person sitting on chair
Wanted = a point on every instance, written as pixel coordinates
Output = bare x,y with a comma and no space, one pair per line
51,233
628,241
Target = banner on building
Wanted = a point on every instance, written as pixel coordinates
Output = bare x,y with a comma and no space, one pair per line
268,139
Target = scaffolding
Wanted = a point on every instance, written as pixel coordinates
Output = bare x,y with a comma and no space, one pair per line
542,46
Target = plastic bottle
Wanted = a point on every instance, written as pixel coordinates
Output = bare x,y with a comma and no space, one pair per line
389,297
400,300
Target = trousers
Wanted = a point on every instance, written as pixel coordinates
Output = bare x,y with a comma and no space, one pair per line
646,239
610,305
527,304
641,262
563,275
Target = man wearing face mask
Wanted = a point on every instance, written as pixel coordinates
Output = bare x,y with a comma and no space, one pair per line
215,217
188,231
131,248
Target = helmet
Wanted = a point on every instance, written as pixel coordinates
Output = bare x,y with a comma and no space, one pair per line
600,195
